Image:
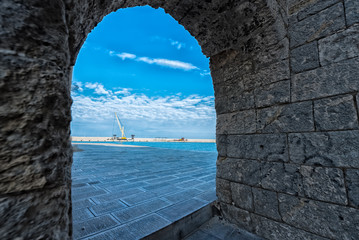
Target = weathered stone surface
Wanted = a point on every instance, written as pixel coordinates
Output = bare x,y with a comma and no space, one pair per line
325,184
221,141
266,203
339,149
275,93
339,46
237,216
238,170
328,220
312,7
270,147
337,78
26,215
237,123
316,26
351,11
223,190
352,180
242,196
238,101
295,117
305,57
281,177
336,113
270,229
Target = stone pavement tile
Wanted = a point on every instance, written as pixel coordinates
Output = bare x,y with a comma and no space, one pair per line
81,215
166,190
189,184
118,233
88,227
139,198
85,203
78,196
161,179
116,195
181,209
128,214
206,186
208,196
182,195
116,188
200,235
107,207
79,185
147,225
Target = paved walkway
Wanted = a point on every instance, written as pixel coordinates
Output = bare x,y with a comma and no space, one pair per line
128,193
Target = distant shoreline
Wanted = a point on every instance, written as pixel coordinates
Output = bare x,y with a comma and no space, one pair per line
108,139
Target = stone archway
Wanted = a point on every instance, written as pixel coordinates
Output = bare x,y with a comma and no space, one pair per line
286,100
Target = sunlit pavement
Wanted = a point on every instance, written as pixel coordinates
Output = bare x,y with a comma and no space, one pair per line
129,193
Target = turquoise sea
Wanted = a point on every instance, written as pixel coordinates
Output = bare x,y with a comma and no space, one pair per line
186,146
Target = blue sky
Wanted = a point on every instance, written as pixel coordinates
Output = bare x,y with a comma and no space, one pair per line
140,63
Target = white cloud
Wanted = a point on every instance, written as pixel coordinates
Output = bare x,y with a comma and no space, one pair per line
137,107
124,55
175,64
98,88
123,91
205,73
168,63
177,44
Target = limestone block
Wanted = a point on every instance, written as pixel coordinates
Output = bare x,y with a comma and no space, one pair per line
312,7
326,184
240,100
221,105
295,117
269,147
267,227
36,215
266,203
305,57
339,149
274,93
351,11
237,123
223,190
333,79
240,217
352,180
319,25
238,170
221,141
281,177
328,220
242,196
339,46
336,113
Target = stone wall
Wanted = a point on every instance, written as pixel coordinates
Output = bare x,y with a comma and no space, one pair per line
287,126
285,74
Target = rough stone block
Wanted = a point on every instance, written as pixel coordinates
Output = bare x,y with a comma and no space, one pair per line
312,7
242,196
339,46
352,180
295,117
223,189
237,123
266,203
305,57
325,219
221,105
240,101
319,25
269,147
33,214
237,170
339,149
267,227
326,184
336,113
222,142
281,177
274,93
240,217
333,79
351,11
